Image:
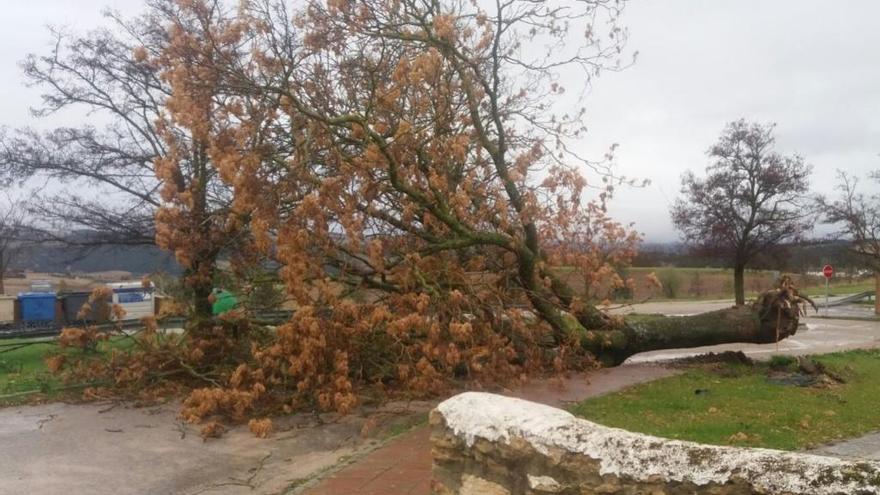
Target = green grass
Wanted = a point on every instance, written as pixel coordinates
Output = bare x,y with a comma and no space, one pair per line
22,367
717,283
406,424
840,289
741,407
680,269
685,270
23,371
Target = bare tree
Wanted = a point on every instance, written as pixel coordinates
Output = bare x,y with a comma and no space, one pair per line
96,73
110,74
859,216
750,200
11,236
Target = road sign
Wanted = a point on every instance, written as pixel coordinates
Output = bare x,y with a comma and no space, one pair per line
828,271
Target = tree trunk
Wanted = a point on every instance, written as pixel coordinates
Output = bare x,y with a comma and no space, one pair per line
877,292
202,301
775,316
200,279
739,286
3,265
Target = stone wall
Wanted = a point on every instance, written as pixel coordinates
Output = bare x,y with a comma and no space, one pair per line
493,445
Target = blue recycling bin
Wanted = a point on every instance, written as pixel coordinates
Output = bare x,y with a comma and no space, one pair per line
37,306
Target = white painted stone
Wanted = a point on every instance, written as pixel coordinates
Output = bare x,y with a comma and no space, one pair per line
474,415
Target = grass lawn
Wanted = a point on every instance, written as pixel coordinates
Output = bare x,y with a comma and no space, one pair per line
702,283
840,289
683,270
23,367
736,405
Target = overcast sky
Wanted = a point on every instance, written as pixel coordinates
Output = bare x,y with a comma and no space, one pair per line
812,67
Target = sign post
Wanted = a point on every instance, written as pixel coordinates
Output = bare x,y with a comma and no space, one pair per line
828,271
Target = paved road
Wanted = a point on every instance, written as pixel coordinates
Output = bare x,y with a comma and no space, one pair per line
866,447
65,449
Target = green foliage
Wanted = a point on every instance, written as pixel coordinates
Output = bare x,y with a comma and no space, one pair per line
781,362
697,288
738,406
671,280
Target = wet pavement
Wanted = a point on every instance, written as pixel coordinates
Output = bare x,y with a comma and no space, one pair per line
866,447
104,449
114,449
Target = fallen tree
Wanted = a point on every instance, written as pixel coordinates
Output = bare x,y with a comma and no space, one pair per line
410,167
772,317
385,152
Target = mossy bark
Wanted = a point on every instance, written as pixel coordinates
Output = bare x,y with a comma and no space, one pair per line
772,317
750,324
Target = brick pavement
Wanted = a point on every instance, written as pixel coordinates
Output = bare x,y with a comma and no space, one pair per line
403,466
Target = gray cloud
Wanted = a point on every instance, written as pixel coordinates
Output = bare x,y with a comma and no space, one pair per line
812,67
23,30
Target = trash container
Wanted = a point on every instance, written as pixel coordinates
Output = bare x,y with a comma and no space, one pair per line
37,306
72,302
223,301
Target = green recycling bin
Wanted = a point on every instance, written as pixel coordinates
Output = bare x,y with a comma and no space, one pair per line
223,301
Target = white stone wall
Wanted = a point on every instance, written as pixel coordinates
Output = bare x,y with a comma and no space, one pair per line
624,462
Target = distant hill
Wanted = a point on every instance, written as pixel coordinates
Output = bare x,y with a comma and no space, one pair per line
140,260
663,247
808,256
58,258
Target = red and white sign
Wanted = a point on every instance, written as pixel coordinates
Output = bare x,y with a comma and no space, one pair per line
828,271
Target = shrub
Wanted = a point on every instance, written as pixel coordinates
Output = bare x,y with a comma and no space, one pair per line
671,281
780,362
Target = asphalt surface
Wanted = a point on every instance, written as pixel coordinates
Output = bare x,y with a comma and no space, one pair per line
64,449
